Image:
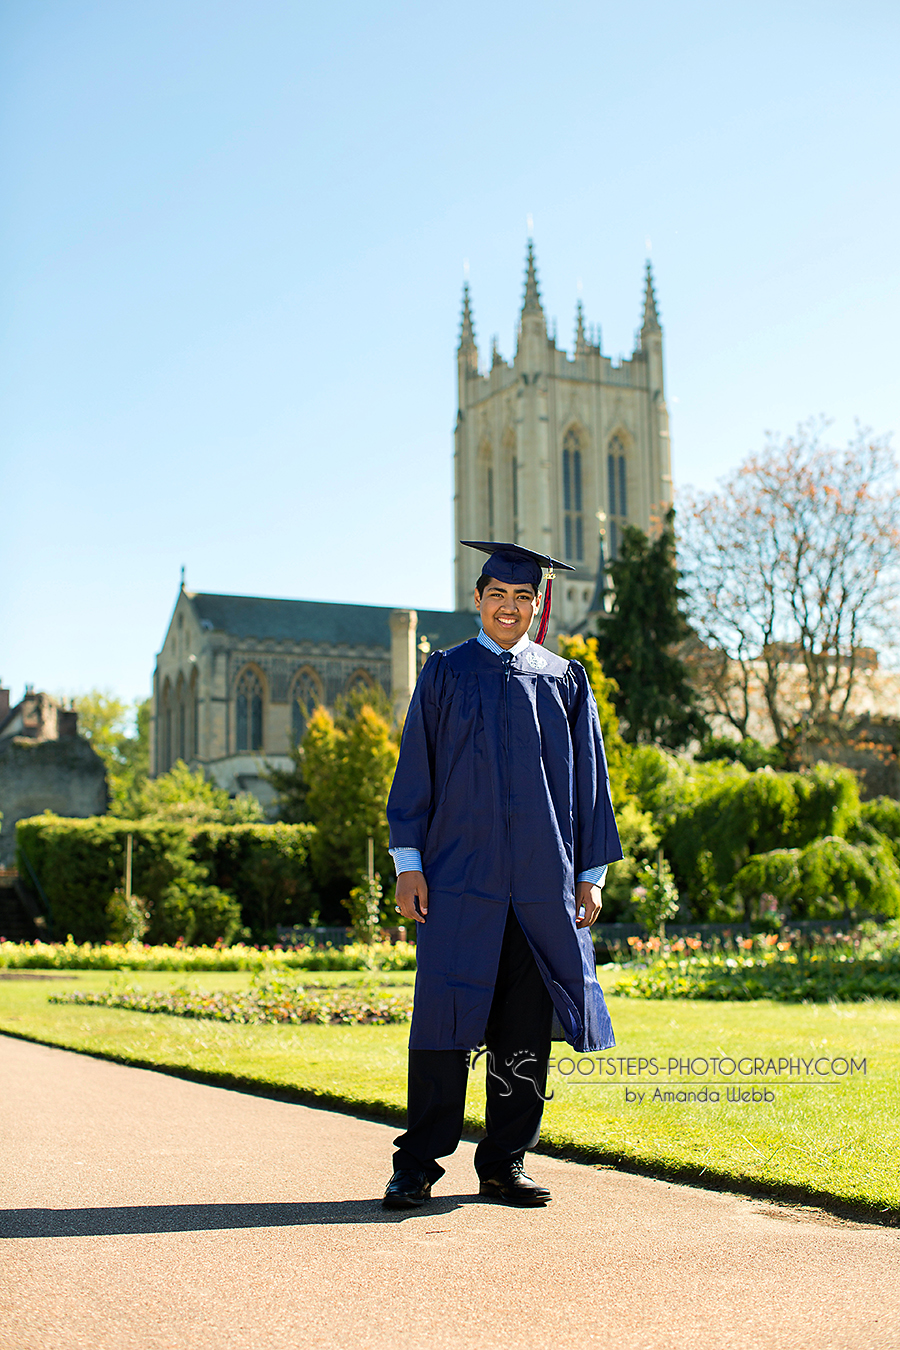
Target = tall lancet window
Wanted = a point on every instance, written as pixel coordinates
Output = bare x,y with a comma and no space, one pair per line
180,696
506,494
515,500
249,711
617,493
307,697
573,524
486,489
164,731
195,714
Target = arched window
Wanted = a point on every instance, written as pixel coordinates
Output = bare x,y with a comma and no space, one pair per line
306,697
360,679
486,488
515,500
195,715
164,731
507,508
248,718
617,493
573,519
182,718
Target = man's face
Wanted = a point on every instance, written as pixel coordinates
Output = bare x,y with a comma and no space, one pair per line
507,612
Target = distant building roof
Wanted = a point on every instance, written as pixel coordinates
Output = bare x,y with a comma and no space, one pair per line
250,616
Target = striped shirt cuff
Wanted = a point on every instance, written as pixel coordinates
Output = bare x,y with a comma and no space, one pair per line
406,860
595,875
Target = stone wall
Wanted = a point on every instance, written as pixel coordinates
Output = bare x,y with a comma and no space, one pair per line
66,776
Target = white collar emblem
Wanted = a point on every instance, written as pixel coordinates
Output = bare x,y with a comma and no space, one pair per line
535,660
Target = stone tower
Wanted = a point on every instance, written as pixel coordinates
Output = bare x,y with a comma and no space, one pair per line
558,452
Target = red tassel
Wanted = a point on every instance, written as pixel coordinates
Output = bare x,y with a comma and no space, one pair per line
545,612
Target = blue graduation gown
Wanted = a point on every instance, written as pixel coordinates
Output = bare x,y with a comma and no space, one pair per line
502,785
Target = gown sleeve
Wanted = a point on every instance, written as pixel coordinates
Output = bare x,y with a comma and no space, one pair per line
597,838
410,802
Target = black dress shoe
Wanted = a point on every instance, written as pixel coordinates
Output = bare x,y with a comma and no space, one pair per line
514,1187
406,1190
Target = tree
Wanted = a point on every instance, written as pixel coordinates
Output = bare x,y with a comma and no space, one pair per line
184,794
120,734
637,642
791,567
579,648
340,781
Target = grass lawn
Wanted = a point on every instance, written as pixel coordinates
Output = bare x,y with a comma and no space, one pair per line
833,1141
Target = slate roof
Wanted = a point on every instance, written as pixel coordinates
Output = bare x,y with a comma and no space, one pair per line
250,616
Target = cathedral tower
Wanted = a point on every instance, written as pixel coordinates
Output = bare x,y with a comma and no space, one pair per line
552,449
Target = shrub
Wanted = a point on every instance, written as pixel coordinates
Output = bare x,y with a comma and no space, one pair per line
266,866
882,815
714,817
829,878
128,917
655,898
80,864
640,844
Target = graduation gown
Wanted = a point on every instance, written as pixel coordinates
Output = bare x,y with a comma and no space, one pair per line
502,786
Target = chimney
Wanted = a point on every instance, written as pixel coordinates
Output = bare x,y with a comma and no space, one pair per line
403,659
67,724
4,702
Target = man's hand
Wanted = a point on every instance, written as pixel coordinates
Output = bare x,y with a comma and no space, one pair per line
412,895
588,903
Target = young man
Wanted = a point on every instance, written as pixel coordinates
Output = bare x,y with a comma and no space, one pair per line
501,829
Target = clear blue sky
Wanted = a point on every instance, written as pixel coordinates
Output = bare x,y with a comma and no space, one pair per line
233,238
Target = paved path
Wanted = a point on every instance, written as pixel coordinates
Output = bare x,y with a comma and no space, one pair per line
143,1211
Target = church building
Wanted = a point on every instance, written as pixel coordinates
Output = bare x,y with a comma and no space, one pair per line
554,451
559,452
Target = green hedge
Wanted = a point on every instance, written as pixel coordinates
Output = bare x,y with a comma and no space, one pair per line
80,863
828,879
714,818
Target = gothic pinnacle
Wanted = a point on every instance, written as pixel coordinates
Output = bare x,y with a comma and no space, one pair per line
467,331
651,315
532,301
581,344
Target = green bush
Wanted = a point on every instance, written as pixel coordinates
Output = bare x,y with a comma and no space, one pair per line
829,878
655,898
715,817
189,874
882,815
266,866
640,843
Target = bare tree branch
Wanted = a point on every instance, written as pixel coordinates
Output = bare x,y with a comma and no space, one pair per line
790,568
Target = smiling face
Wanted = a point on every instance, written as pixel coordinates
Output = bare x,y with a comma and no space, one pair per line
507,612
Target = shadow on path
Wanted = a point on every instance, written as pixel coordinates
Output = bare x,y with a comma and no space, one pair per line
100,1222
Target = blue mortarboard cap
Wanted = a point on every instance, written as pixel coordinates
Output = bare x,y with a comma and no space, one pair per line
514,565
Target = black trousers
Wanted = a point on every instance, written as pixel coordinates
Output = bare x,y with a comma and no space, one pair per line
517,1041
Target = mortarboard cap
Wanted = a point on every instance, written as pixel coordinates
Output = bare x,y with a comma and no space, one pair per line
513,566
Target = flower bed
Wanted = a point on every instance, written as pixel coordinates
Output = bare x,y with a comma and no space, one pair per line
72,955
273,1001
850,967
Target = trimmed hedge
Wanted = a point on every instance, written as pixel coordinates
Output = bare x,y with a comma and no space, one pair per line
80,863
715,819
